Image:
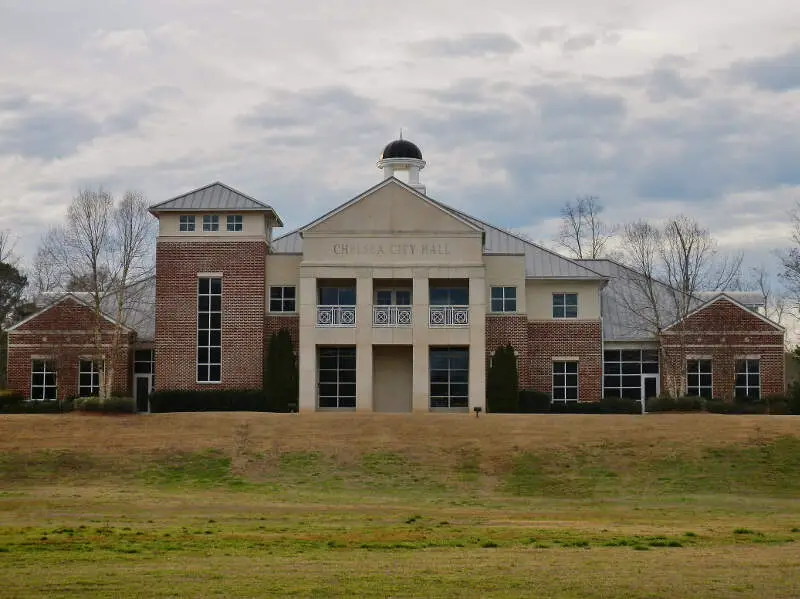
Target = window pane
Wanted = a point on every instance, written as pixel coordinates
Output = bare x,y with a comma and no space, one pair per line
571,299
559,393
383,297
611,355
631,355
497,305
275,305
705,366
511,292
497,293
275,292
558,311
650,368
571,312
612,381
403,298
612,367
631,381
631,368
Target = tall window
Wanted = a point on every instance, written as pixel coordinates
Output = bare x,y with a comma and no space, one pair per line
449,372
748,379
565,305
699,378
43,380
234,222
623,370
565,381
282,299
143,361
210,222
89,377
337,377
337,296
504,299
449,296
186,222
209,329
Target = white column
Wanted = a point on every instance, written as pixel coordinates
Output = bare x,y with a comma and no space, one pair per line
477,342
307,342
364,401
420,400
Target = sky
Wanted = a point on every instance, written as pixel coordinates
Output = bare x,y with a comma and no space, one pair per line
519,106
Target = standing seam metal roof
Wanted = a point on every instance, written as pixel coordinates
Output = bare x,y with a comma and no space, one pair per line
216,196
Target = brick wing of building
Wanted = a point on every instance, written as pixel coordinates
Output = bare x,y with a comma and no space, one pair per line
395,303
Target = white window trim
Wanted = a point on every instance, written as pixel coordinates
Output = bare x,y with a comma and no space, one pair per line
197,362
44,385
229,222
564,305
192,220
213,220
100,373
698,373
504,299
282,299
565,387
751,357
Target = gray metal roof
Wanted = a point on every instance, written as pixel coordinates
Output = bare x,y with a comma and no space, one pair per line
540,263
747,298
216,196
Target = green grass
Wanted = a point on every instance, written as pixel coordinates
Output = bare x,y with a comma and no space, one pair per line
593,520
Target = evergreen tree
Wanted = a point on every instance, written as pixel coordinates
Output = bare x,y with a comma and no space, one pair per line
281,376
502,381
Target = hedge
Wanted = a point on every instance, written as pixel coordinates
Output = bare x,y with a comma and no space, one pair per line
109,405
214,400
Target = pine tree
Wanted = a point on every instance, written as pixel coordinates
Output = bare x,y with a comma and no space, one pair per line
502,381
281,376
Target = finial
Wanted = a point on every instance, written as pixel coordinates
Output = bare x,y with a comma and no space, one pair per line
401,133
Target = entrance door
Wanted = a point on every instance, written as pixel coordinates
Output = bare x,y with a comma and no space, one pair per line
392,374
650,386
143,388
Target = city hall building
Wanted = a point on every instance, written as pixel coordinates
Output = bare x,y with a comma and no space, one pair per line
395,303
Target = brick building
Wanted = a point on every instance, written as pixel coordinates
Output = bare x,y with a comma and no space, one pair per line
395,303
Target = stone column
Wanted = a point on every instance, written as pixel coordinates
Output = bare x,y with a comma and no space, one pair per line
364,401
420,401
477,343
307,357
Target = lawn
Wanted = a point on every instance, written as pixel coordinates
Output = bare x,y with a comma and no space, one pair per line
343,505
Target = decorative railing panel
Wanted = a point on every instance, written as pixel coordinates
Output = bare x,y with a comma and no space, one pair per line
336,316
391,316
448,316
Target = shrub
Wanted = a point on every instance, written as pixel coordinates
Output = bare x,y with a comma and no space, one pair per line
281,373
34,406
794,398
215,400
108,405
666,403
502,382
608,405
533,402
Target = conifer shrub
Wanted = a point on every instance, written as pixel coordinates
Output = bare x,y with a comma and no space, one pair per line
281,373
502,382
212,400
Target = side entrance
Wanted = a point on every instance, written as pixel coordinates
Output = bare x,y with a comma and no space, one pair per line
392,374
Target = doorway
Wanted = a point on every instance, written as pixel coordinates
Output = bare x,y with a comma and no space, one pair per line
143,387
650,386
392,374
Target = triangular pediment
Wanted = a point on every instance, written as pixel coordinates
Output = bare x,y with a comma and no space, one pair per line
391,208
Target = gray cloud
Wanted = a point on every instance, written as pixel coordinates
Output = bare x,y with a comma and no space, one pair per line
473,45
46,132
777,73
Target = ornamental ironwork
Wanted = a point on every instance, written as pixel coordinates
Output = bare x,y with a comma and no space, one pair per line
448,316
391,316
336,316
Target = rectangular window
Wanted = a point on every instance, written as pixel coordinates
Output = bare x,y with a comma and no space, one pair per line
699,378
565,305
449,374
209,330
43,380
748,379
210,222
283,299
337,296
392,297
337,377
623,370
186,222
89,377
235,222
504,299
143,361
449,296
565,381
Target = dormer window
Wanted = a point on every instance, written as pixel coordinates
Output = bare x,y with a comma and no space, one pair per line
210,222
186,223
235,222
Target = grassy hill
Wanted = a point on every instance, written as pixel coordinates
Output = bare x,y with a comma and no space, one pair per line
318,505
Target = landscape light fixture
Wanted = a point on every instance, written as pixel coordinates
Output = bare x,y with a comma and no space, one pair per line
477,410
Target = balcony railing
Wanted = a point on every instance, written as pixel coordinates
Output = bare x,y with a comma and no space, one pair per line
336,316
391,316
448,316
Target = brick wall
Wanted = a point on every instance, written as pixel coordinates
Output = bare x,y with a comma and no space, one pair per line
243,266
275,322
566,338
724,332
502,330
64,334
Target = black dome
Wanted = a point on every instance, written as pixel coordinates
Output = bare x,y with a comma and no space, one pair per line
401,148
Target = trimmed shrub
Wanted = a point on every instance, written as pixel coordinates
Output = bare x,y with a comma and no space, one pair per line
666,403
108,405
533,402
502,382
35,406
213,400
281,373
794,398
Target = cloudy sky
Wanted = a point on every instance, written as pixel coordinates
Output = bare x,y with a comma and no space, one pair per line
656,107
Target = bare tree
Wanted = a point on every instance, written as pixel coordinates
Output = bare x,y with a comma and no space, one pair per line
669,265
583,233
103,248
791,258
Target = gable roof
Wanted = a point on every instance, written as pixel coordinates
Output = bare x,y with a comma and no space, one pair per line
138,312
725,296
385,183
539,262
215,196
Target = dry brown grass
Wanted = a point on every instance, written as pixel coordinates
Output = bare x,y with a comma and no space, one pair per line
416,434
